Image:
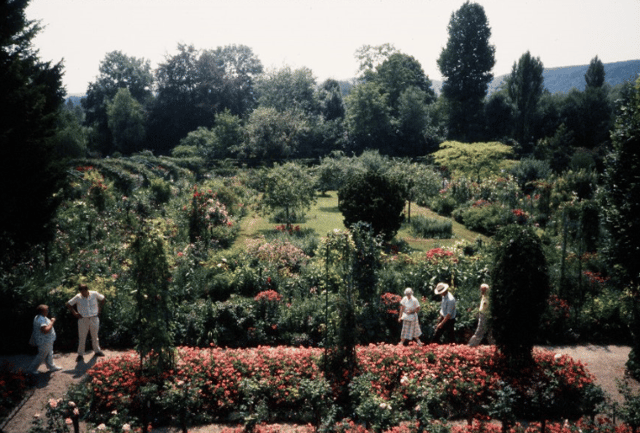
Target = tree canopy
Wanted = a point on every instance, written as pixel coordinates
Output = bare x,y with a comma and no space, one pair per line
475,160
375,198
31,95
466,63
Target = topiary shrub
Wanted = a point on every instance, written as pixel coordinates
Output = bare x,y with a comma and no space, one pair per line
374,198
520,280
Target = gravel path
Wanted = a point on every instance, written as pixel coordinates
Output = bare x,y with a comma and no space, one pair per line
606,363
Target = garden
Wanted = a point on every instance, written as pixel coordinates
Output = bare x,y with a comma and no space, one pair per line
236,305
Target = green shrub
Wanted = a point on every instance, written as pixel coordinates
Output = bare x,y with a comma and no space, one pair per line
484,217
433,228
160,190
520,280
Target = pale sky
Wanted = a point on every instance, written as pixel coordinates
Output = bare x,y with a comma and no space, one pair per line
323,35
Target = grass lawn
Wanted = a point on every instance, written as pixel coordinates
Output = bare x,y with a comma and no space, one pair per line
324,216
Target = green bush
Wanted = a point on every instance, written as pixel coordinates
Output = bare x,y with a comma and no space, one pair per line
160,190
484,217
520,288
433,228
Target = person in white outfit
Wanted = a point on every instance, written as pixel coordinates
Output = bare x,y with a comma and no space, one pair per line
86,306
43,336
483,326
409,307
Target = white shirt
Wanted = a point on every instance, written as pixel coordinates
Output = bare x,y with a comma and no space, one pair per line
409,304
87,307
448,306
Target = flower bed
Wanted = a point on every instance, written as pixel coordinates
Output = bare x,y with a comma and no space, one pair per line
393,384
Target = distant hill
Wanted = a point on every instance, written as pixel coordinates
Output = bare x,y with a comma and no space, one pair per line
565,78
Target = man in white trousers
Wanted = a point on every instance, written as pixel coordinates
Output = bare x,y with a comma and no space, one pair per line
86,306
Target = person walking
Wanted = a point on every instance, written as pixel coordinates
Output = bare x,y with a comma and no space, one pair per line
447,314
409,307
483,326
86,306
43,336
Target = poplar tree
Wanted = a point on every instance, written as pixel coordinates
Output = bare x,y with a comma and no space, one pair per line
466,63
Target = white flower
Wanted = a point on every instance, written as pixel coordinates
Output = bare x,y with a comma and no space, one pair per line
557,356
126,427
383,406
101,427
404,380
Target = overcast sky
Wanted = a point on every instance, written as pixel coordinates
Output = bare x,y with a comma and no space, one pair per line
323,35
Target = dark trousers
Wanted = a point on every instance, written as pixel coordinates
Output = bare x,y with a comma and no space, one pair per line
447,330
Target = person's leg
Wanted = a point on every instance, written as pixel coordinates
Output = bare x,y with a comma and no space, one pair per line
480,331
94,327
450,330
39,359
83,330
49,358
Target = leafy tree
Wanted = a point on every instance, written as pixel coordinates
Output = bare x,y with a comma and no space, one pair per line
368,117
117,71
525,86
273,134
31,95
288,188
520,288
466,63
595,74
400,72
241,70
330,100
194,86
370,56
476,160
499,116
622,208
286,89
374,198
219,141
126,122
70,140
411,122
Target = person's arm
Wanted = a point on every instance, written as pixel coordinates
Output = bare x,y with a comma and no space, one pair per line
400,313
47,328
101,304
73,310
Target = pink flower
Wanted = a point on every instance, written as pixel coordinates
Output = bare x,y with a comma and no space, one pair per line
53,403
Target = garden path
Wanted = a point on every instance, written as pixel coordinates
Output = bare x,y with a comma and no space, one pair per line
605,362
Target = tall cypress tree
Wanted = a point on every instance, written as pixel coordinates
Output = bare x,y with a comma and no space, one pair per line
466,63
31,94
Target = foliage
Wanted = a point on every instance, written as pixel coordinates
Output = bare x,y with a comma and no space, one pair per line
286,89
13,388
520,288
150,270
466,63
373,198
474,160
126,122
525,86
117,72
283,378
623,205
274,135
436,228
31,95
288,187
